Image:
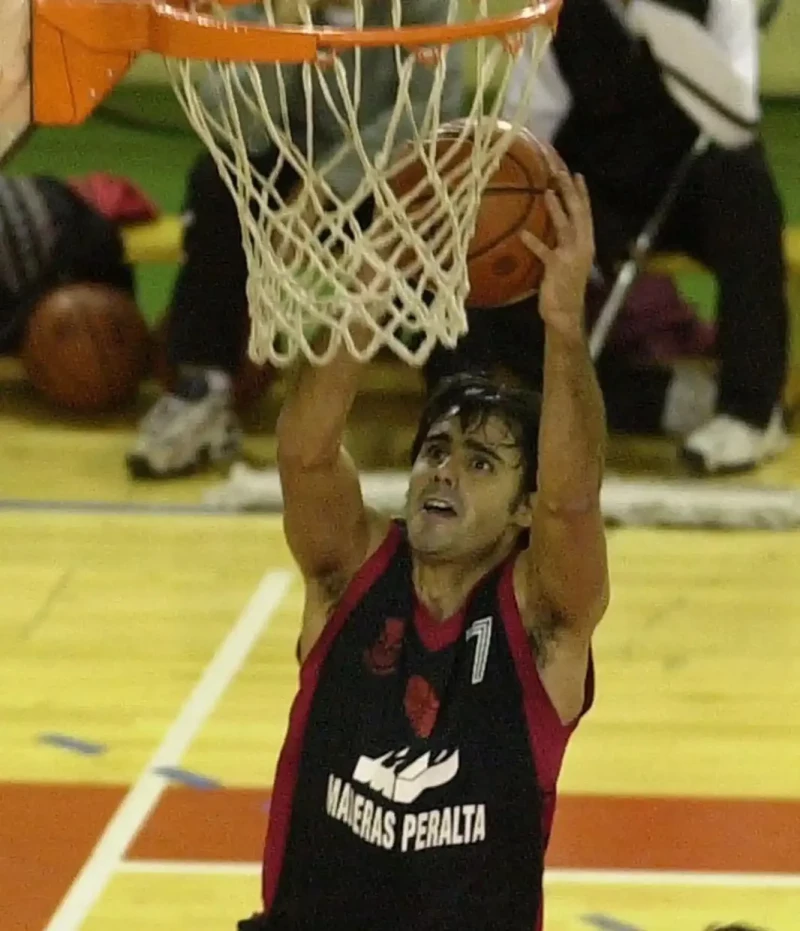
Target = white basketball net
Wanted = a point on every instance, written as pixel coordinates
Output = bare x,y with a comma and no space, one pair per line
312,269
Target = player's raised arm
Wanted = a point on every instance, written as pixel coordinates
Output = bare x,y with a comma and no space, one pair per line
567,571
327,526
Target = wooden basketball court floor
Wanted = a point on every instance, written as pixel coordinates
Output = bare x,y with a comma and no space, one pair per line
146,672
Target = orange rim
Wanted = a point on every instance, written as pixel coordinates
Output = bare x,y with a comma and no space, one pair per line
177,32
82,48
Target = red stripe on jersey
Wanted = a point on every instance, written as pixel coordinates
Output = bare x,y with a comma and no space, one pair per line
289,760
548,735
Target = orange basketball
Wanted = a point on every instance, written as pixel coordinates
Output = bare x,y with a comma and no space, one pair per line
86,347
501,268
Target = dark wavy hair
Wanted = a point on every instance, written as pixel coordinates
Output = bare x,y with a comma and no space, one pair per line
474,398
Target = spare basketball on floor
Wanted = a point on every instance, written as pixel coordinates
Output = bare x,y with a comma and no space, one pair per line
501,267
86,347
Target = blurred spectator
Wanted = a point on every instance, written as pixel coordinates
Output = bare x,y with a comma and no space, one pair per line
601,100
54,232
208,320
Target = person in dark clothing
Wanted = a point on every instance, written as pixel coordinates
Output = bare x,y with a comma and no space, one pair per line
208,323
50,235
601,101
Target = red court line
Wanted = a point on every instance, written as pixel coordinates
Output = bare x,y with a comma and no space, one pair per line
48,831
217,825
46,834
717,835
590,832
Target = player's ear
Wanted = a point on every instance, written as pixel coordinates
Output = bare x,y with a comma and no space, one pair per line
522,509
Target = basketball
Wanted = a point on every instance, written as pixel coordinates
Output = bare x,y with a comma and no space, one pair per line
86,347
501,268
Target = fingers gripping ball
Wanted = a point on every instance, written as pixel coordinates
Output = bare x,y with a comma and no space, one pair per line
502,269
86,347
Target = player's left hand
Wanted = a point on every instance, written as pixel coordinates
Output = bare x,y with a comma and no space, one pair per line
568,264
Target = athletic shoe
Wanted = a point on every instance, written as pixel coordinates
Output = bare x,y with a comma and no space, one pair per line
188,429
726,444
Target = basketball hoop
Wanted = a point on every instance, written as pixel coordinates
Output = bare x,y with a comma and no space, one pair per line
311,266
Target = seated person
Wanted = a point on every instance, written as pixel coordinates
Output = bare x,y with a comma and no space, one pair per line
51,235
208,319
600,99
649,374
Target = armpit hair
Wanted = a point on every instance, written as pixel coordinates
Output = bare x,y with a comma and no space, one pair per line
542,635
332,586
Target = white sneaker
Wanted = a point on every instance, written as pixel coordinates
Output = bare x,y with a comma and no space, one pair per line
189,429
726,444
690,402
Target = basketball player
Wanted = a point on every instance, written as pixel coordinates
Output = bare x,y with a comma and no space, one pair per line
446,658
208,323
600,98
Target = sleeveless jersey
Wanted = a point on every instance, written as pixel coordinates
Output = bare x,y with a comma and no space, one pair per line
416,786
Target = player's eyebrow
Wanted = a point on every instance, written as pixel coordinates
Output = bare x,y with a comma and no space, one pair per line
439,435
477,447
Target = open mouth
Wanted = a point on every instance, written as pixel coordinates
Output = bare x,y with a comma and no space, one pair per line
439,507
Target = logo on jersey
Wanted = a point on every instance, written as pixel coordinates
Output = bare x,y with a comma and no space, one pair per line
382,657
421,704
372,801
397,778
400,779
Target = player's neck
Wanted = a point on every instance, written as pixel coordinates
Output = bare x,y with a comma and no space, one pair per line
443,587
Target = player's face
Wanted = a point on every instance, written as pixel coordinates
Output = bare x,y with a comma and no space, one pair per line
464,495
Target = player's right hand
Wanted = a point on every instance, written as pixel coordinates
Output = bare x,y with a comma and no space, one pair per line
568,264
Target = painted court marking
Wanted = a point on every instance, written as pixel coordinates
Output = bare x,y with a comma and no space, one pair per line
75,744
184,777
607,923
106,858
553,877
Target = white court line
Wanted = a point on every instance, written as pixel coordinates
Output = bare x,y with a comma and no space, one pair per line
553,877
106,858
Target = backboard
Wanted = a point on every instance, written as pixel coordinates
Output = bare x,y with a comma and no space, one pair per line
15,77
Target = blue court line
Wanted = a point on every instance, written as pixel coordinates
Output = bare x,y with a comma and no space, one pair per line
64,742
187,778
607,923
